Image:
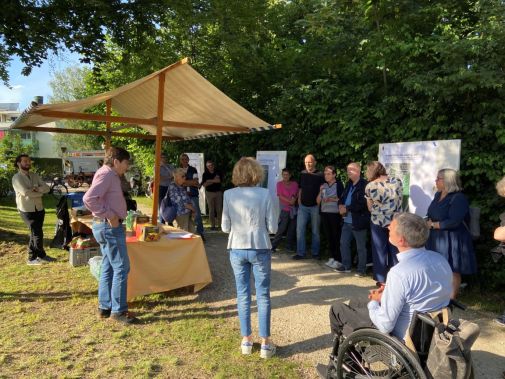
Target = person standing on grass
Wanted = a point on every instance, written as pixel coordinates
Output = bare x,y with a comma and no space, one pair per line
249,216
30,188
106,202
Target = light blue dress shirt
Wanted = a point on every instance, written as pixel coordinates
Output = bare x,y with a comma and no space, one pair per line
249,215
421,281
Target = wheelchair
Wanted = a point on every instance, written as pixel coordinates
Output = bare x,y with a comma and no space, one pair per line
369,353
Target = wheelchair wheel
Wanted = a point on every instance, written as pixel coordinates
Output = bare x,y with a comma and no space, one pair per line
368,353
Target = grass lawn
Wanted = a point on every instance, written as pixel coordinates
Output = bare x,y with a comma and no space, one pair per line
49,328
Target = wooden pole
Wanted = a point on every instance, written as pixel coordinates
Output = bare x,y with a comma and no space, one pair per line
159,135
108,109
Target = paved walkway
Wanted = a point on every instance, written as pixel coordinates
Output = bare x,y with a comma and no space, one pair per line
302,292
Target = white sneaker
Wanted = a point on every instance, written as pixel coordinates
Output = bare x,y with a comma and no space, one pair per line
330,262
267,351
246,347
337,264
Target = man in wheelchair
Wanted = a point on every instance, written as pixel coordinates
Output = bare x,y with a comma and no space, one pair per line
420,282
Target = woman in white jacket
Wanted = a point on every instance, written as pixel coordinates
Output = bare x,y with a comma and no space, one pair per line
249,216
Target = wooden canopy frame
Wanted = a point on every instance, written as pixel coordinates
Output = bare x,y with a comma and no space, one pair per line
159,122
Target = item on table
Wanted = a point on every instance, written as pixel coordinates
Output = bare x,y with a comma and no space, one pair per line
150,233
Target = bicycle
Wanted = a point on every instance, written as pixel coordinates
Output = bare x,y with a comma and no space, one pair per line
58,188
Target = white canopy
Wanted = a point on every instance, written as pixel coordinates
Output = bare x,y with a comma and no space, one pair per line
174,103
192,107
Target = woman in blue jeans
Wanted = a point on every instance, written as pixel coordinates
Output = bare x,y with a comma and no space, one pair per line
249,216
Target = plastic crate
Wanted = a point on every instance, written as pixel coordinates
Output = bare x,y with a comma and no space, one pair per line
80,257
94,251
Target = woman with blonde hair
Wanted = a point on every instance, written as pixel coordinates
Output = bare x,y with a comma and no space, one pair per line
249,216
448,220
181,200
384,196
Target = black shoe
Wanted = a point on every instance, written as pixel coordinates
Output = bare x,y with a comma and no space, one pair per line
297,257
124,318
103,313
47,258
274,249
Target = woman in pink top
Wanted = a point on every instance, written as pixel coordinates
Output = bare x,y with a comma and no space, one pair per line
287,191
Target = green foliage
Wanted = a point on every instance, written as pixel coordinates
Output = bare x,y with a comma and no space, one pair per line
341,76
11,146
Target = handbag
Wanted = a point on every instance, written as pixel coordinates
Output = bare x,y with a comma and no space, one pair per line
168,210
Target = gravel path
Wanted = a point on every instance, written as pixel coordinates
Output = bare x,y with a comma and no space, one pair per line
302,292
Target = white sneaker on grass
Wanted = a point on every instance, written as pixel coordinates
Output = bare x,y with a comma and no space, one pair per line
34,262
246,347
267,351
330,262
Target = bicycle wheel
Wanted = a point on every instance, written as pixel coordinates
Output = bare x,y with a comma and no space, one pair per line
59,190
368,353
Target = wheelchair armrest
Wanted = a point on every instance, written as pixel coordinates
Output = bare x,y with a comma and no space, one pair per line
457,304
426,319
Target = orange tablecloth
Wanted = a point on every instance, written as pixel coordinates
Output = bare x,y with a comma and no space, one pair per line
165,264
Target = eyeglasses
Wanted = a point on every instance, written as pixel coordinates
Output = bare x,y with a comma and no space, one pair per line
437,179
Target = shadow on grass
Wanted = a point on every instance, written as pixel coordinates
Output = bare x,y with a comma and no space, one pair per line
46,296
307,346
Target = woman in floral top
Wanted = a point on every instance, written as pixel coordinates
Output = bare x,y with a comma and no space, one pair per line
180,199
384,198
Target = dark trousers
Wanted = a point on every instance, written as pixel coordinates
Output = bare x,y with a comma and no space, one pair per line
345,319
286,225
35,221
332,226
383,253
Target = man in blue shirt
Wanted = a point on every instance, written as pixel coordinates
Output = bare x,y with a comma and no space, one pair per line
354,211
421,281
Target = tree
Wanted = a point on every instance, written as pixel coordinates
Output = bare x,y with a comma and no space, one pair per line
10,146
72,84
30,29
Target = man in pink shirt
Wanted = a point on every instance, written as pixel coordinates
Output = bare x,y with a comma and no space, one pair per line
106,202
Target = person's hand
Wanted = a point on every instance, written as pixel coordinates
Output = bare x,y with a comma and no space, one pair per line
114,221
35,189
376,294
342,209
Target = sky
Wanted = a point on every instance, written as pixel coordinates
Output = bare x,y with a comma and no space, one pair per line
25,88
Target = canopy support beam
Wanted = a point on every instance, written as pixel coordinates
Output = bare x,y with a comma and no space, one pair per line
159,134
137,121
97,133
108,108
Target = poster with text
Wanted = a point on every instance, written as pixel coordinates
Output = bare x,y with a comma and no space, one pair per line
272,162
417,164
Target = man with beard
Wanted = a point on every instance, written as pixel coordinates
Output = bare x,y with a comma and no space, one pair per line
30,188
